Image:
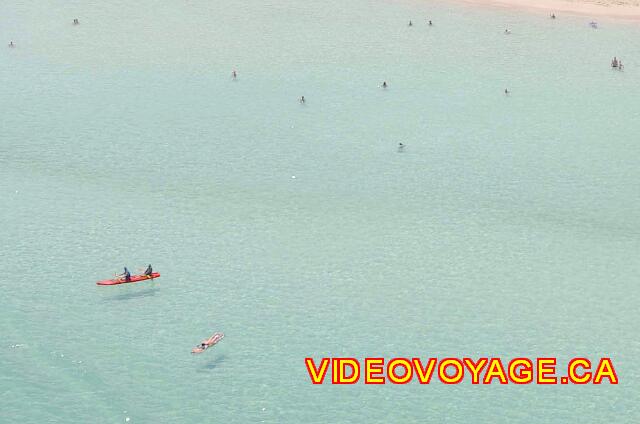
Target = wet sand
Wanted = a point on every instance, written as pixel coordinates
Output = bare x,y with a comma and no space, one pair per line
620,9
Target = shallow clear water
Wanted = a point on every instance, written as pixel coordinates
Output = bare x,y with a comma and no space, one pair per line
508,227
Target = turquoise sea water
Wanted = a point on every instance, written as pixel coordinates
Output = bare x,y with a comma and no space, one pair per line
507,227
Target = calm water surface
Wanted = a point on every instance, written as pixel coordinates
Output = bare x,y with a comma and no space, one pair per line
509,225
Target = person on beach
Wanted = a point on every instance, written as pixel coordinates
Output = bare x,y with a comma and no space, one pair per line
302,100
148,271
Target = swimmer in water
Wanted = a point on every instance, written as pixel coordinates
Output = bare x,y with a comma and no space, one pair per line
620,65
410,23
614,62
205,344
302,100
400,147
553,16
76,21
200,348
506,91
507,31
430,23
234,74
384,84
11,44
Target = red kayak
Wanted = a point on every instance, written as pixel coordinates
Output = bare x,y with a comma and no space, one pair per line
134,279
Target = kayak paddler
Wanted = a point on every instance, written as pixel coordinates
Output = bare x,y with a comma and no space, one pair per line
126,275
148,271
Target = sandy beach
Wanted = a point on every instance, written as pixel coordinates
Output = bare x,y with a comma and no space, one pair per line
620,9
